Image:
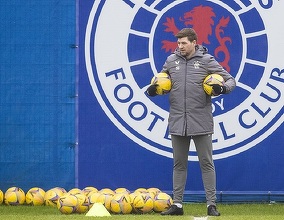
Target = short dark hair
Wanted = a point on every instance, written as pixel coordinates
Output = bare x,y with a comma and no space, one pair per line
187,32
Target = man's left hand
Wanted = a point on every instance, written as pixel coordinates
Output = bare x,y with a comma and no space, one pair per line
217,89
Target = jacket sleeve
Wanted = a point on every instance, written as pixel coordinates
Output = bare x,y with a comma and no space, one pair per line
215,67
165,67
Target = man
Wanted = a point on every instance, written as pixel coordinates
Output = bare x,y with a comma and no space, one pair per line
191,114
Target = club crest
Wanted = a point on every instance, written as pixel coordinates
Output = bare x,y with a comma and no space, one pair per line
123,50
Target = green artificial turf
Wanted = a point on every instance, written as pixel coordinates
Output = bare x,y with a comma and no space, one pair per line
192,211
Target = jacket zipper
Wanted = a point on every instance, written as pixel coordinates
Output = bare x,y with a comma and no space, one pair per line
185,122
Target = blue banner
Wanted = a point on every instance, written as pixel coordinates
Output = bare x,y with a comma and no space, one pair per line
123,134
38,96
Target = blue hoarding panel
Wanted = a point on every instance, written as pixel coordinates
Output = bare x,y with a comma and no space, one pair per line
37,105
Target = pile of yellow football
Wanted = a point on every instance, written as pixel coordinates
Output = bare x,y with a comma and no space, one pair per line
118,201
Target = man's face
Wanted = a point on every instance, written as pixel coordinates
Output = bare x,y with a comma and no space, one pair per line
186,47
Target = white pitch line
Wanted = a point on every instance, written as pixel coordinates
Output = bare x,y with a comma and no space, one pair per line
200,218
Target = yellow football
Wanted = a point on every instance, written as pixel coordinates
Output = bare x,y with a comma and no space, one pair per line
163,82
210,80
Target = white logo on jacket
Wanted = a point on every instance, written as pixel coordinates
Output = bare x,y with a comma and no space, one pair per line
196,64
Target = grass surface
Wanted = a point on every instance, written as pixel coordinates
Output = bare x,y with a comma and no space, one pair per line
192,211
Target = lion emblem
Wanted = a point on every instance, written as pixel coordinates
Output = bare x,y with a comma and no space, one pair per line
201,19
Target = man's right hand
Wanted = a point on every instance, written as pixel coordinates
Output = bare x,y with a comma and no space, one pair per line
152,90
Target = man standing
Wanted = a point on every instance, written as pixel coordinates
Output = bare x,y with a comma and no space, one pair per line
191,114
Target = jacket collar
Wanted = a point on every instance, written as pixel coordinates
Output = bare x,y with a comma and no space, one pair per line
200,50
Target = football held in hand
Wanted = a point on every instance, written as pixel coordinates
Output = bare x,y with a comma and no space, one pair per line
163,82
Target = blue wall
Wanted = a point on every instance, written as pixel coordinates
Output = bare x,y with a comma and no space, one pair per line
37,87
